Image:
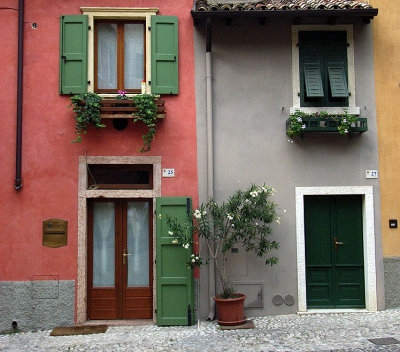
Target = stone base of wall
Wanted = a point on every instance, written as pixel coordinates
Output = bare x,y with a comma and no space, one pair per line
36,305
392,282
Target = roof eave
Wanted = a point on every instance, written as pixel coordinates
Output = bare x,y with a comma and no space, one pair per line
367,13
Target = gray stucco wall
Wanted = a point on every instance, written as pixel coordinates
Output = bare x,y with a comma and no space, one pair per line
392,282
36,305
252,84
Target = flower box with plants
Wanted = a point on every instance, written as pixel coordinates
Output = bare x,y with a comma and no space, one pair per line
300,123
90,109
244,219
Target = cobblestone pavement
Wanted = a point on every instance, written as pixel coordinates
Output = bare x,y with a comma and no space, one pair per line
317,332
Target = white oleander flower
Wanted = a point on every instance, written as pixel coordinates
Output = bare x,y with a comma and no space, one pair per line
278,221
197,214
170,233
344,120
346,131
284,210
303,126
204,212
174,241
197,258
159,216
193,261
229,216
299,119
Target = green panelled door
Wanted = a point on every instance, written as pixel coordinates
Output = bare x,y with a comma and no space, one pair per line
334,252
174,278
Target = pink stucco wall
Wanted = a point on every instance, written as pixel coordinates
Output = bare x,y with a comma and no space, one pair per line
49,160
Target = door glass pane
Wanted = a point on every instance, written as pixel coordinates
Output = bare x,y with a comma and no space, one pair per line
138,243
134,55
103,244
106,56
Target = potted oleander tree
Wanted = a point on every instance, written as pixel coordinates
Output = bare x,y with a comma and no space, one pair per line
245,219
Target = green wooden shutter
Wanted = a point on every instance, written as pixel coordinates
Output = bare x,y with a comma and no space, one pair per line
164,55
313,80
337,81
174,278
73,54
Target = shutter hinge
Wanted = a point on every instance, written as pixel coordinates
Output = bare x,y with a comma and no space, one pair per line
62,17
88,82
155,311
155,212
149,83
187,203
297,44
149,28
89,28
63,57
298,94
155,261
174,58
348,44
349,94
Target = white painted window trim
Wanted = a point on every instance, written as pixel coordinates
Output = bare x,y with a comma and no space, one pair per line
84,194
352,109
368,240
121,13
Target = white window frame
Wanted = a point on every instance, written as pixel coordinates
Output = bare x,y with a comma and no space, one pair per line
119,13
352,108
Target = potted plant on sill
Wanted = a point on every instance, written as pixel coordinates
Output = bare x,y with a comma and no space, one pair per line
244,219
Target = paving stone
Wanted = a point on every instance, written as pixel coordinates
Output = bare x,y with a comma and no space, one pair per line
317,332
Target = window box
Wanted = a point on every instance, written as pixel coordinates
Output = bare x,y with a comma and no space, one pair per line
328,124
125,109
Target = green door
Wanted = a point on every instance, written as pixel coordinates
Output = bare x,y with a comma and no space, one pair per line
334,252
174,277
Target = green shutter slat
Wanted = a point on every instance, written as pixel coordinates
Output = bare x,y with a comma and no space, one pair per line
164,55
174,279
337,81
313,80
73,54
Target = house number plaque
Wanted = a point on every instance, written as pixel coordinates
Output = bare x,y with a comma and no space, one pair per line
55,233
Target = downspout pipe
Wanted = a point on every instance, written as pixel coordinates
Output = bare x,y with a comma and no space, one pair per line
210,157
18,177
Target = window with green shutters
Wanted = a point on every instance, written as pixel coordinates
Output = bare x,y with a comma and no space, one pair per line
74,33
323,69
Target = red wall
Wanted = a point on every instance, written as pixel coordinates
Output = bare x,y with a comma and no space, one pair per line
49,160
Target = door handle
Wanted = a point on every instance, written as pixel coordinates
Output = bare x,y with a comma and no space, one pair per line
336,243
124,255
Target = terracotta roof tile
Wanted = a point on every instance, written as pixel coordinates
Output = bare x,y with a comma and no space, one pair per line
278,5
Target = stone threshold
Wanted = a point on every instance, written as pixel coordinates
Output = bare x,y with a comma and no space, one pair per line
133,322
333,311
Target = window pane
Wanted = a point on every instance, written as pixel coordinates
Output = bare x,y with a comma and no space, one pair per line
138,244
106,56
134,55
103,244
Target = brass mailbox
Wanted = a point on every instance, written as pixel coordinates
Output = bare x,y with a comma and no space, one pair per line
55,233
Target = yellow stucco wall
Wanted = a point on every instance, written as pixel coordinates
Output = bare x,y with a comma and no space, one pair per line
386,32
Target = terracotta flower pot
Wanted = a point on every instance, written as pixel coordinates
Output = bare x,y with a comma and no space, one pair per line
231,310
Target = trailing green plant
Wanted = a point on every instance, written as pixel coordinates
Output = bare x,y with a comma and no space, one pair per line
297,124
87,112
244,219
147,113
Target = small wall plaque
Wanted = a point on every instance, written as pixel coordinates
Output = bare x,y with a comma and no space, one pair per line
55,233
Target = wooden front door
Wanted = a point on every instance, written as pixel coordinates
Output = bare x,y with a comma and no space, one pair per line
120,260
334,252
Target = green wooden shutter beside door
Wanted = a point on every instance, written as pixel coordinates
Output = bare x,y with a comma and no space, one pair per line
174,278
164,55
73,54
